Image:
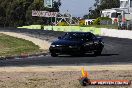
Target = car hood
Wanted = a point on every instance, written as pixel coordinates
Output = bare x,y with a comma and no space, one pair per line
67,42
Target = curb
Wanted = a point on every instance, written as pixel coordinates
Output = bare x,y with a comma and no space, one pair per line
23,56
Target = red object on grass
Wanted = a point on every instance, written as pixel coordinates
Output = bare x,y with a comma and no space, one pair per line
115,20
124,20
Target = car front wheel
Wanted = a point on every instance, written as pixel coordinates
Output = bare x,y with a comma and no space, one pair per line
54,55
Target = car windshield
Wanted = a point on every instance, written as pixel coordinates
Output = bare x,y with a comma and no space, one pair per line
78,36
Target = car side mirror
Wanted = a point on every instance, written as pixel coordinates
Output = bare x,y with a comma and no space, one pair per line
59,37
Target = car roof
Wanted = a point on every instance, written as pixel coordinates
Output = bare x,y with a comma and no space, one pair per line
79,32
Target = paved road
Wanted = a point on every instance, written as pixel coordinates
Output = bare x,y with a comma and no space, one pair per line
116,51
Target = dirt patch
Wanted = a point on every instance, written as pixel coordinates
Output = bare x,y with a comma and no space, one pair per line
61,76
60,79
66,68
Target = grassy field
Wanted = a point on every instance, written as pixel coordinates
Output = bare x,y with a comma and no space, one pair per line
104,26
96,26
10,46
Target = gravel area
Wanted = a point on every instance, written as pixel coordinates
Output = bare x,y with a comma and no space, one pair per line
60,79
61,76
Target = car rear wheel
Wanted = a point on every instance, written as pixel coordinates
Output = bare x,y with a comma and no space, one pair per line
54,55
97,53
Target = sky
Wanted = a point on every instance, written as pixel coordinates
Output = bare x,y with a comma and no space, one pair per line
76,7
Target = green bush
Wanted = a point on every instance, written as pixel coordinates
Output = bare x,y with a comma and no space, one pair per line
42,26
81,22
97,21
63,24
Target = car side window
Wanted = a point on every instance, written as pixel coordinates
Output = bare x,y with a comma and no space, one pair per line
90,37
93,36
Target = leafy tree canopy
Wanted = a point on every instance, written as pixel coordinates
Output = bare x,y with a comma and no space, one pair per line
101,5
18,12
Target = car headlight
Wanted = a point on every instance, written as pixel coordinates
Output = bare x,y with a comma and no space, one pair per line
52,45
58,45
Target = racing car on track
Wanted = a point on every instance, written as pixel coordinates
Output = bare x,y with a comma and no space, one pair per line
77,43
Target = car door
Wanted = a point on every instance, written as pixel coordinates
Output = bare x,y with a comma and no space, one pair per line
89,44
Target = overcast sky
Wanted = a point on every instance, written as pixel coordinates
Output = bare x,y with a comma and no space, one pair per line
76,7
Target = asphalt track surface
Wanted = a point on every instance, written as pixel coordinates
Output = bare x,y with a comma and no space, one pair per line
116,51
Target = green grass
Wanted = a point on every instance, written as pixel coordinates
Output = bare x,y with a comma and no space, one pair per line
103,26
11,46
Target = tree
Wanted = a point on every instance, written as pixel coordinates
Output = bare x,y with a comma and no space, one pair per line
2,16
101,5
19,12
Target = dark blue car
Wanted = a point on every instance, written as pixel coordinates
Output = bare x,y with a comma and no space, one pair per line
77,43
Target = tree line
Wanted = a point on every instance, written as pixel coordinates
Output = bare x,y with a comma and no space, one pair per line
94,12
19,12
